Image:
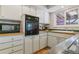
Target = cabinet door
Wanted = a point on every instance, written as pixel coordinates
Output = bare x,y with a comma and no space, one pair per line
28,45
35,43
40,14
5,39
5,44
43,41
52,41
26,10
18,52
32,11
13,12
0,10
6,51
17,48
46,17
60,39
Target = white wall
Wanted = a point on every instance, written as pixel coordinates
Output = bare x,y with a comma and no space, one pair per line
53,18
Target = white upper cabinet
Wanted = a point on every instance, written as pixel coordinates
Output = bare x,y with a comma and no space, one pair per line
13,12
43,16
40,14
30,10
46,19
0,11
26,9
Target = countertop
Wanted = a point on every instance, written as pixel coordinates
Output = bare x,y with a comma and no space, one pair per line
58,49
11,34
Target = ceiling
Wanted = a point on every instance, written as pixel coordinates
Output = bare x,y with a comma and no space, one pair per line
49,6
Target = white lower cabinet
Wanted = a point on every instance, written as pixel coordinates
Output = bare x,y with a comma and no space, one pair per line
36,43
43,41
52,41
4,39
6,51
60,39
28,45
18,52
56,38
11,44
18,44
5,45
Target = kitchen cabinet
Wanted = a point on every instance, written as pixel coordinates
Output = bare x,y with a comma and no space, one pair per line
26,9
12,12
40,14
5,39
30,10
35,11
11,44
36,43
46,18
18,44
60,39
43,40
28,45
6,51
5,43
0,10
18,52
43,16
56,38
52,41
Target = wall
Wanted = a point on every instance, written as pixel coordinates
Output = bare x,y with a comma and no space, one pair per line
53,20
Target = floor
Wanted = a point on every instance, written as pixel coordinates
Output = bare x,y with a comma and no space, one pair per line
42,51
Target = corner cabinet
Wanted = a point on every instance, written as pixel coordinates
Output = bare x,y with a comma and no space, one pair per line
13,12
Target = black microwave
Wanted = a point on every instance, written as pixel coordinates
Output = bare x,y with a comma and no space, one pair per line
9,28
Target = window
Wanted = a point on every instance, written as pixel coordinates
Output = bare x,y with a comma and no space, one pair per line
72,17
60,18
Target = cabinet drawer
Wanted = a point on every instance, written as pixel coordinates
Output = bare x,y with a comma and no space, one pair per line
18,52
16,48
5,45
7,51
43,35
43,38
28,37
17,42
5,39
18,38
